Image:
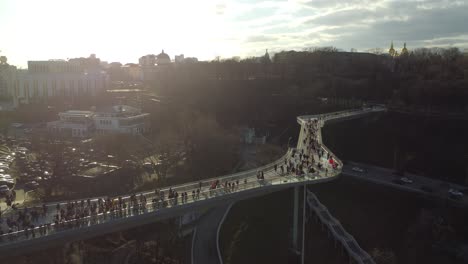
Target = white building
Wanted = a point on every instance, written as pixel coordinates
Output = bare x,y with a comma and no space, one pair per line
56,78
132,72
73,123
121,119
147,61
7,75
153,66
163,59
118,119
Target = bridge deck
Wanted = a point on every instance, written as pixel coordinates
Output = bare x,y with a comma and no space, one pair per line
246,185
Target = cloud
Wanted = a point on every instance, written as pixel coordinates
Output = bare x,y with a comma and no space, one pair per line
235,27
329,4
342,17
448,41
368,24
261,38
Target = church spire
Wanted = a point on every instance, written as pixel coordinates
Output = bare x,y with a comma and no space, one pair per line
392,51
266,57
404,51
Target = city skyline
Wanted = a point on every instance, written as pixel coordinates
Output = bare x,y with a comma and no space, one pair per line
118,31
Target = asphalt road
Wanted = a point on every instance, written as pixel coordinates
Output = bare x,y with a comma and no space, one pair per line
386,176
204,243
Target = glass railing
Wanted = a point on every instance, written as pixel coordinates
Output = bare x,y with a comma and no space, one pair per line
153,205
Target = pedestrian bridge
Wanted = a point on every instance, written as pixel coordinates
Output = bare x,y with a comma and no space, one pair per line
47,234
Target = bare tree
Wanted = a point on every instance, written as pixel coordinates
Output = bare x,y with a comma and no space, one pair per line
377,51
325,49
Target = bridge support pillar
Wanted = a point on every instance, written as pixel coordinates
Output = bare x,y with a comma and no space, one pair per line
298,245
296,219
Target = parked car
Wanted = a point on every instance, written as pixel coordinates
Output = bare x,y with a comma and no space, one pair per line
6,176
6,159
148,165
7,182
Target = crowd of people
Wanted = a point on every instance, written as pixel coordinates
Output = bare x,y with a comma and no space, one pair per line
33,221
308,157
39,221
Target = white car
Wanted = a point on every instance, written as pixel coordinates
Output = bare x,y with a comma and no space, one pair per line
6,182
5,176
406,180
455,193
357,169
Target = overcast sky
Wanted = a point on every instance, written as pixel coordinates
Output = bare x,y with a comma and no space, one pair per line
125,30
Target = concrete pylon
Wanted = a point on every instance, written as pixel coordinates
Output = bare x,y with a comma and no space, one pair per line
298,245
295,230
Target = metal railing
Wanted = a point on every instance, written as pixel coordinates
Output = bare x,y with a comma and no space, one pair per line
348,242
139,208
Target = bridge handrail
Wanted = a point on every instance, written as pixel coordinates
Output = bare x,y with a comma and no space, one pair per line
234,176
207,194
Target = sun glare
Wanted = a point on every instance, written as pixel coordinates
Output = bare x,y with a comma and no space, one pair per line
119,30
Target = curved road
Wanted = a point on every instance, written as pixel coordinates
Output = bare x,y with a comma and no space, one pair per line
205,242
